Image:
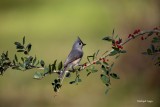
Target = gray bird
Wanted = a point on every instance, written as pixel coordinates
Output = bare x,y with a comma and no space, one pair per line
74,56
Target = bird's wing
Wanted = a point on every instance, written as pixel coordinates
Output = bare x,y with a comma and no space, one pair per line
74,55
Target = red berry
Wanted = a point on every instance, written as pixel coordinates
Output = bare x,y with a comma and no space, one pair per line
104,60
135,32
107,59
142,38
138,30
129,35
133,36
85,65
120,47
94,62
117,42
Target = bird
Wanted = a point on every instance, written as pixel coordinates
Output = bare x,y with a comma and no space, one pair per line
74,57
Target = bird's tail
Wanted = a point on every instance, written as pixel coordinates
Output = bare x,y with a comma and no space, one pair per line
62,74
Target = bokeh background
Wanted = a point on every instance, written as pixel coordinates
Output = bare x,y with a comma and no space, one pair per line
53,25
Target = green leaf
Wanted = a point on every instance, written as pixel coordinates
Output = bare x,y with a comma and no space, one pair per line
105,79
117,56
88,73
16,58
23,40
7,54
22,59
38,75
89,59
155,40
34,60
72,82
115,76
153,48
28,47
115,48
42,63
114,52
104,69
97,53
79,80
60,66
149,51
22,65
107,90
20,50
123,51
112,64
105,63
108,38
93,56
49,69
46,70
93,69
17,43
98,62
54,65
37,63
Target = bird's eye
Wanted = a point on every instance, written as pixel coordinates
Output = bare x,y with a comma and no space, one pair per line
80,43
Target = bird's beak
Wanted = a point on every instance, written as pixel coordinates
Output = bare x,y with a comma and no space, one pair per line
84,44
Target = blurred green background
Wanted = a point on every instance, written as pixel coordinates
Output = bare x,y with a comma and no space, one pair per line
53,25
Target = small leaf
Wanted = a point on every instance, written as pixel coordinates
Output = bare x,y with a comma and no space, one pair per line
153,48
89,59
114,52
117,56
155,40
104,70
98,62
17,43
16,58
7,54
88,73
42,63
60,66
93,69
49,69
37,75
107,90
115,76
123,51
105,63
108,38
97,53
23,40
115,48
46,70
79,80
22,59
28,47
37,63
72,82
34,60
149,51
20,50
54,65
104,79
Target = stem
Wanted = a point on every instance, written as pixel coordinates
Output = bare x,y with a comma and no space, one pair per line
122,44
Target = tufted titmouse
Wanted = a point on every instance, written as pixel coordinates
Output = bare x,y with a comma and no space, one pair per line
74,57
